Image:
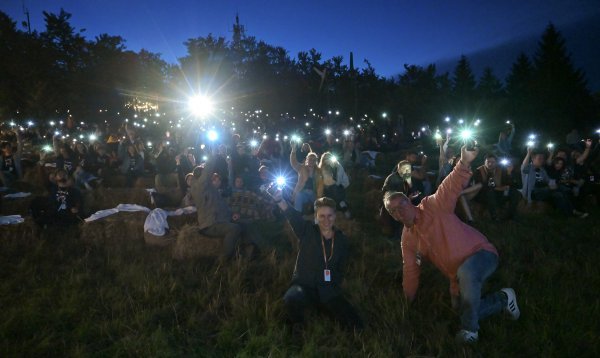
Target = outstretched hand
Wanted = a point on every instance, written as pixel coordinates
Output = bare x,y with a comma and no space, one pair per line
468,156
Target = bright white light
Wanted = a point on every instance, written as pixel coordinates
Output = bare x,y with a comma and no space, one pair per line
12,124
337,113
200,105
204,158
461,121
550,145
307,124
30,123
530,143
437,135
598,131
280,181
384,115
56,132
346,132
265,136
61,122
52,123
81,136
253,143
296,138
212,135
466,134
93,137
504,161
532,136
47,148
422,129
449,130
285,137
149,144
447,119
507,122
327,131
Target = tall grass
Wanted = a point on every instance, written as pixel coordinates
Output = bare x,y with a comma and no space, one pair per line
62,297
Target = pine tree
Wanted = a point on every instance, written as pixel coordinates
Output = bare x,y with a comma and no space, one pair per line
562,98
489,86
463,86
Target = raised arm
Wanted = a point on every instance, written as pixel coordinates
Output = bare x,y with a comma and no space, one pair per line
526,159
586,152
293,160
452,186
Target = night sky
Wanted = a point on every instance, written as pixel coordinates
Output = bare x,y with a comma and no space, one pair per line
388,33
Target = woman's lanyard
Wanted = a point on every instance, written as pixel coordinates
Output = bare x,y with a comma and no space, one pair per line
327,272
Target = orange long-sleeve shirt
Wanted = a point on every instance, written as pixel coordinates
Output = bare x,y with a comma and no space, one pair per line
439,236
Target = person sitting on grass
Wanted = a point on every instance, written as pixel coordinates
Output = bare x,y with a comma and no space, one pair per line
10,167
308,174
320,265
64,204
538,186
132,165
432,231
495,188
334,182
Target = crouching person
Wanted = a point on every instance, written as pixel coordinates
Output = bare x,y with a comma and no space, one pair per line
433,232
320,264
62,207
215,219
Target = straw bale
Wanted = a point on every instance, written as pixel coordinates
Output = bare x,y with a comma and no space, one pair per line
176,223
108,198
16,206
373,182
191,244
373,200
24,234
120,227
144,182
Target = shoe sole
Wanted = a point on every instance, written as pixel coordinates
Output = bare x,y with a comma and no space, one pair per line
512,308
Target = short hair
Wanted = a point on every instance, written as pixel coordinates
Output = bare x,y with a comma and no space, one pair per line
402,163
325,202
312,154
491,155
391,195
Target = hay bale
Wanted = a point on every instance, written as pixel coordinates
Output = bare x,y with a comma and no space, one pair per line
373,202
176,223
24,234
144,182
191,244
117,228
108,198
373,182
16,206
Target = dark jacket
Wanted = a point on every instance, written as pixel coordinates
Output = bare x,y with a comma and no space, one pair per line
310,263
212,207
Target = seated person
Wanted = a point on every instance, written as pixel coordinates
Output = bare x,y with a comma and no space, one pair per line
308,174
538,186
63,206
320,266
132,165
10,169
496,188
334,182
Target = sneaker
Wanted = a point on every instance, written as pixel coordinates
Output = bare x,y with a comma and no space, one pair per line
512,309
468,337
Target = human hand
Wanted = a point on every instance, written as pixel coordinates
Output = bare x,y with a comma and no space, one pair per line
467,156
529,150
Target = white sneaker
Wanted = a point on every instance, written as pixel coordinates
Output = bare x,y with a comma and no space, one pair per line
464,336
512,309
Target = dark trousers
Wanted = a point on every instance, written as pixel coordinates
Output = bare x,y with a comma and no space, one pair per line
493,199
231,234
337,193
298,298
558,198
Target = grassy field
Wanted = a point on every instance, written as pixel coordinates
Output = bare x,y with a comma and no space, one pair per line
61,297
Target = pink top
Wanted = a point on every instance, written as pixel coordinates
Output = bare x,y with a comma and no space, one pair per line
439,236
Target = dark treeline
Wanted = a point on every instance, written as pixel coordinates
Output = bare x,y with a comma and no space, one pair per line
44,74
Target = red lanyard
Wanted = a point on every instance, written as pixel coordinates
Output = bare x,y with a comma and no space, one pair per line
323,246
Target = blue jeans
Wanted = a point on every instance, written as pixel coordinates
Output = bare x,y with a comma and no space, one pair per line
304,196
471,276
559,198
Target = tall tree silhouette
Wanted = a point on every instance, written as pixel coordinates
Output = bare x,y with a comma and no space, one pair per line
562,98
463,86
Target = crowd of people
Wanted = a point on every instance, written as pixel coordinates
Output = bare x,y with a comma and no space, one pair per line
237,180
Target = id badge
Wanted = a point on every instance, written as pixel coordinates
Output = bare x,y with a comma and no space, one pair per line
327,275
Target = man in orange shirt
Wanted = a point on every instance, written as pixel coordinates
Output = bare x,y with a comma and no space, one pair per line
432,231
